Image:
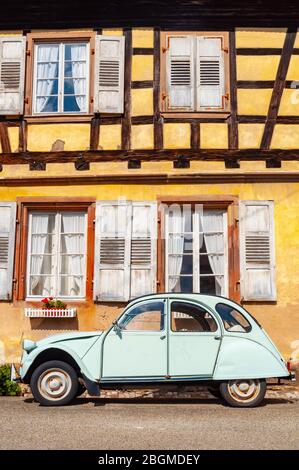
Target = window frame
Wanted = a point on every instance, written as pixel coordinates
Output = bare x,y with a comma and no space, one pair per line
231,205
56,38
225,112
27,205
194,304
239,312
56,255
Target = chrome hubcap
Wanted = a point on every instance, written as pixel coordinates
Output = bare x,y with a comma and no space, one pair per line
54,384
244,390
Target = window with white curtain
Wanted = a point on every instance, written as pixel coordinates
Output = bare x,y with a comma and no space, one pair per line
196,250
56,264
61,77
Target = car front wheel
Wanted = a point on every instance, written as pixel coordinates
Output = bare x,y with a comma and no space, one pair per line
243,393
54,383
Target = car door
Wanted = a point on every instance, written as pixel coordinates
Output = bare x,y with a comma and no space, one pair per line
138,348
194,340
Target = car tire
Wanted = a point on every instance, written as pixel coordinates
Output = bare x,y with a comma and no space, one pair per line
215,392
243,393
54,383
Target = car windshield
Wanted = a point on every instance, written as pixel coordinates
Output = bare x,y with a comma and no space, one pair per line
232,319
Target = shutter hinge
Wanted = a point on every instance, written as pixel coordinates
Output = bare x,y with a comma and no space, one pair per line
164,96
94,221
17,221
225,49
92,51
28,52
226,96
165,49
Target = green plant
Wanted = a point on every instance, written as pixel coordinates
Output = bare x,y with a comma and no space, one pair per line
7,387
50,302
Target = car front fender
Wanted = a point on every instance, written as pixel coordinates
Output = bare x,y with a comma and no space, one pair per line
244,358
33,358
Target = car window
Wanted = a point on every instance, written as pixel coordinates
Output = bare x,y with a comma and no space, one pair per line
232,319
145,317
186,317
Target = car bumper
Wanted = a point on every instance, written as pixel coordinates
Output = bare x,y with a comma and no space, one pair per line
291,377
15,373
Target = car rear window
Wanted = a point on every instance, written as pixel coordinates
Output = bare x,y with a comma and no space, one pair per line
232,319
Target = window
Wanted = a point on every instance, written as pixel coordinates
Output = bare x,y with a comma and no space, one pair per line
146,317
196,249
186,317
232,319
195,72
56,262
61,76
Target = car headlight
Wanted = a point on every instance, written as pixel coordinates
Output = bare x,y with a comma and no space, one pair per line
28,345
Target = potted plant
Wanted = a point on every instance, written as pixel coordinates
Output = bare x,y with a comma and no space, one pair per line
51,308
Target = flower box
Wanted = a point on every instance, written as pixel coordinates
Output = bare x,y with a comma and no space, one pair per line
50,312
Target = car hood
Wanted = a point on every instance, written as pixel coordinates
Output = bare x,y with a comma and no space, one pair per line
68,337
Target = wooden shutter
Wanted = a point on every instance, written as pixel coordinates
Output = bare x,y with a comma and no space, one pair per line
112,251
257,250
143,248
7,246
210,73
180,73
12,66
109,74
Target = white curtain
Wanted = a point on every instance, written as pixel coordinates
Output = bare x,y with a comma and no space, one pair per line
40,264
176,222
73,225
78,55
212,221
47,70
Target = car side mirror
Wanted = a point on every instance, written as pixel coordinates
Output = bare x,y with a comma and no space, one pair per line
116,326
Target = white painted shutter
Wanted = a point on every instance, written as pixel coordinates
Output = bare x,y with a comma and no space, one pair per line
112,251
257,254
210,73
12,68
109,74
180,73
143,248
7,247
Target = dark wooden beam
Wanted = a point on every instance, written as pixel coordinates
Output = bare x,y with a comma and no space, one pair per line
253,84
244,119
158,120
126,119
142,120
195,136
4,138
23,136
258,51
94,133
265,176
142,84
22,158
143,51
278,88
233,138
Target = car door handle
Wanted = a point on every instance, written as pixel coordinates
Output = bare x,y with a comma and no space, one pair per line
163,337
217,337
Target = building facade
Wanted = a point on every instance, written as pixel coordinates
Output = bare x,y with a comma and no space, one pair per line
148,159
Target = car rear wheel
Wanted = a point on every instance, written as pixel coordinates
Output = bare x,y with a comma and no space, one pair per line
54,383
243,393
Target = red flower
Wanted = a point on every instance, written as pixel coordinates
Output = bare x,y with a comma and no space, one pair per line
51,298
45,300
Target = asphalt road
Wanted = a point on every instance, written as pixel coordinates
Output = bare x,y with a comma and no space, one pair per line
140,424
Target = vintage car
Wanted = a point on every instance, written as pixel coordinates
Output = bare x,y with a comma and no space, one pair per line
159,339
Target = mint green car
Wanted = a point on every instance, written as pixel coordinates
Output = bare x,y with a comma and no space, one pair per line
159,339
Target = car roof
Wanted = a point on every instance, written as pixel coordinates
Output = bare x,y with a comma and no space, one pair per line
208,299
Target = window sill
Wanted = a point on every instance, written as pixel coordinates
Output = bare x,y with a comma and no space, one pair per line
63,118
195,115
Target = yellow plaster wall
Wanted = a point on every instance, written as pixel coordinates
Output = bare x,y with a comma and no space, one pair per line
213,136
142,136
289,105
285,136
142,67
254,101
260,37
257,67
143,37
112,32
110,137
13,133
293,70
176,135
250,135
281,320
42,136
142,101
